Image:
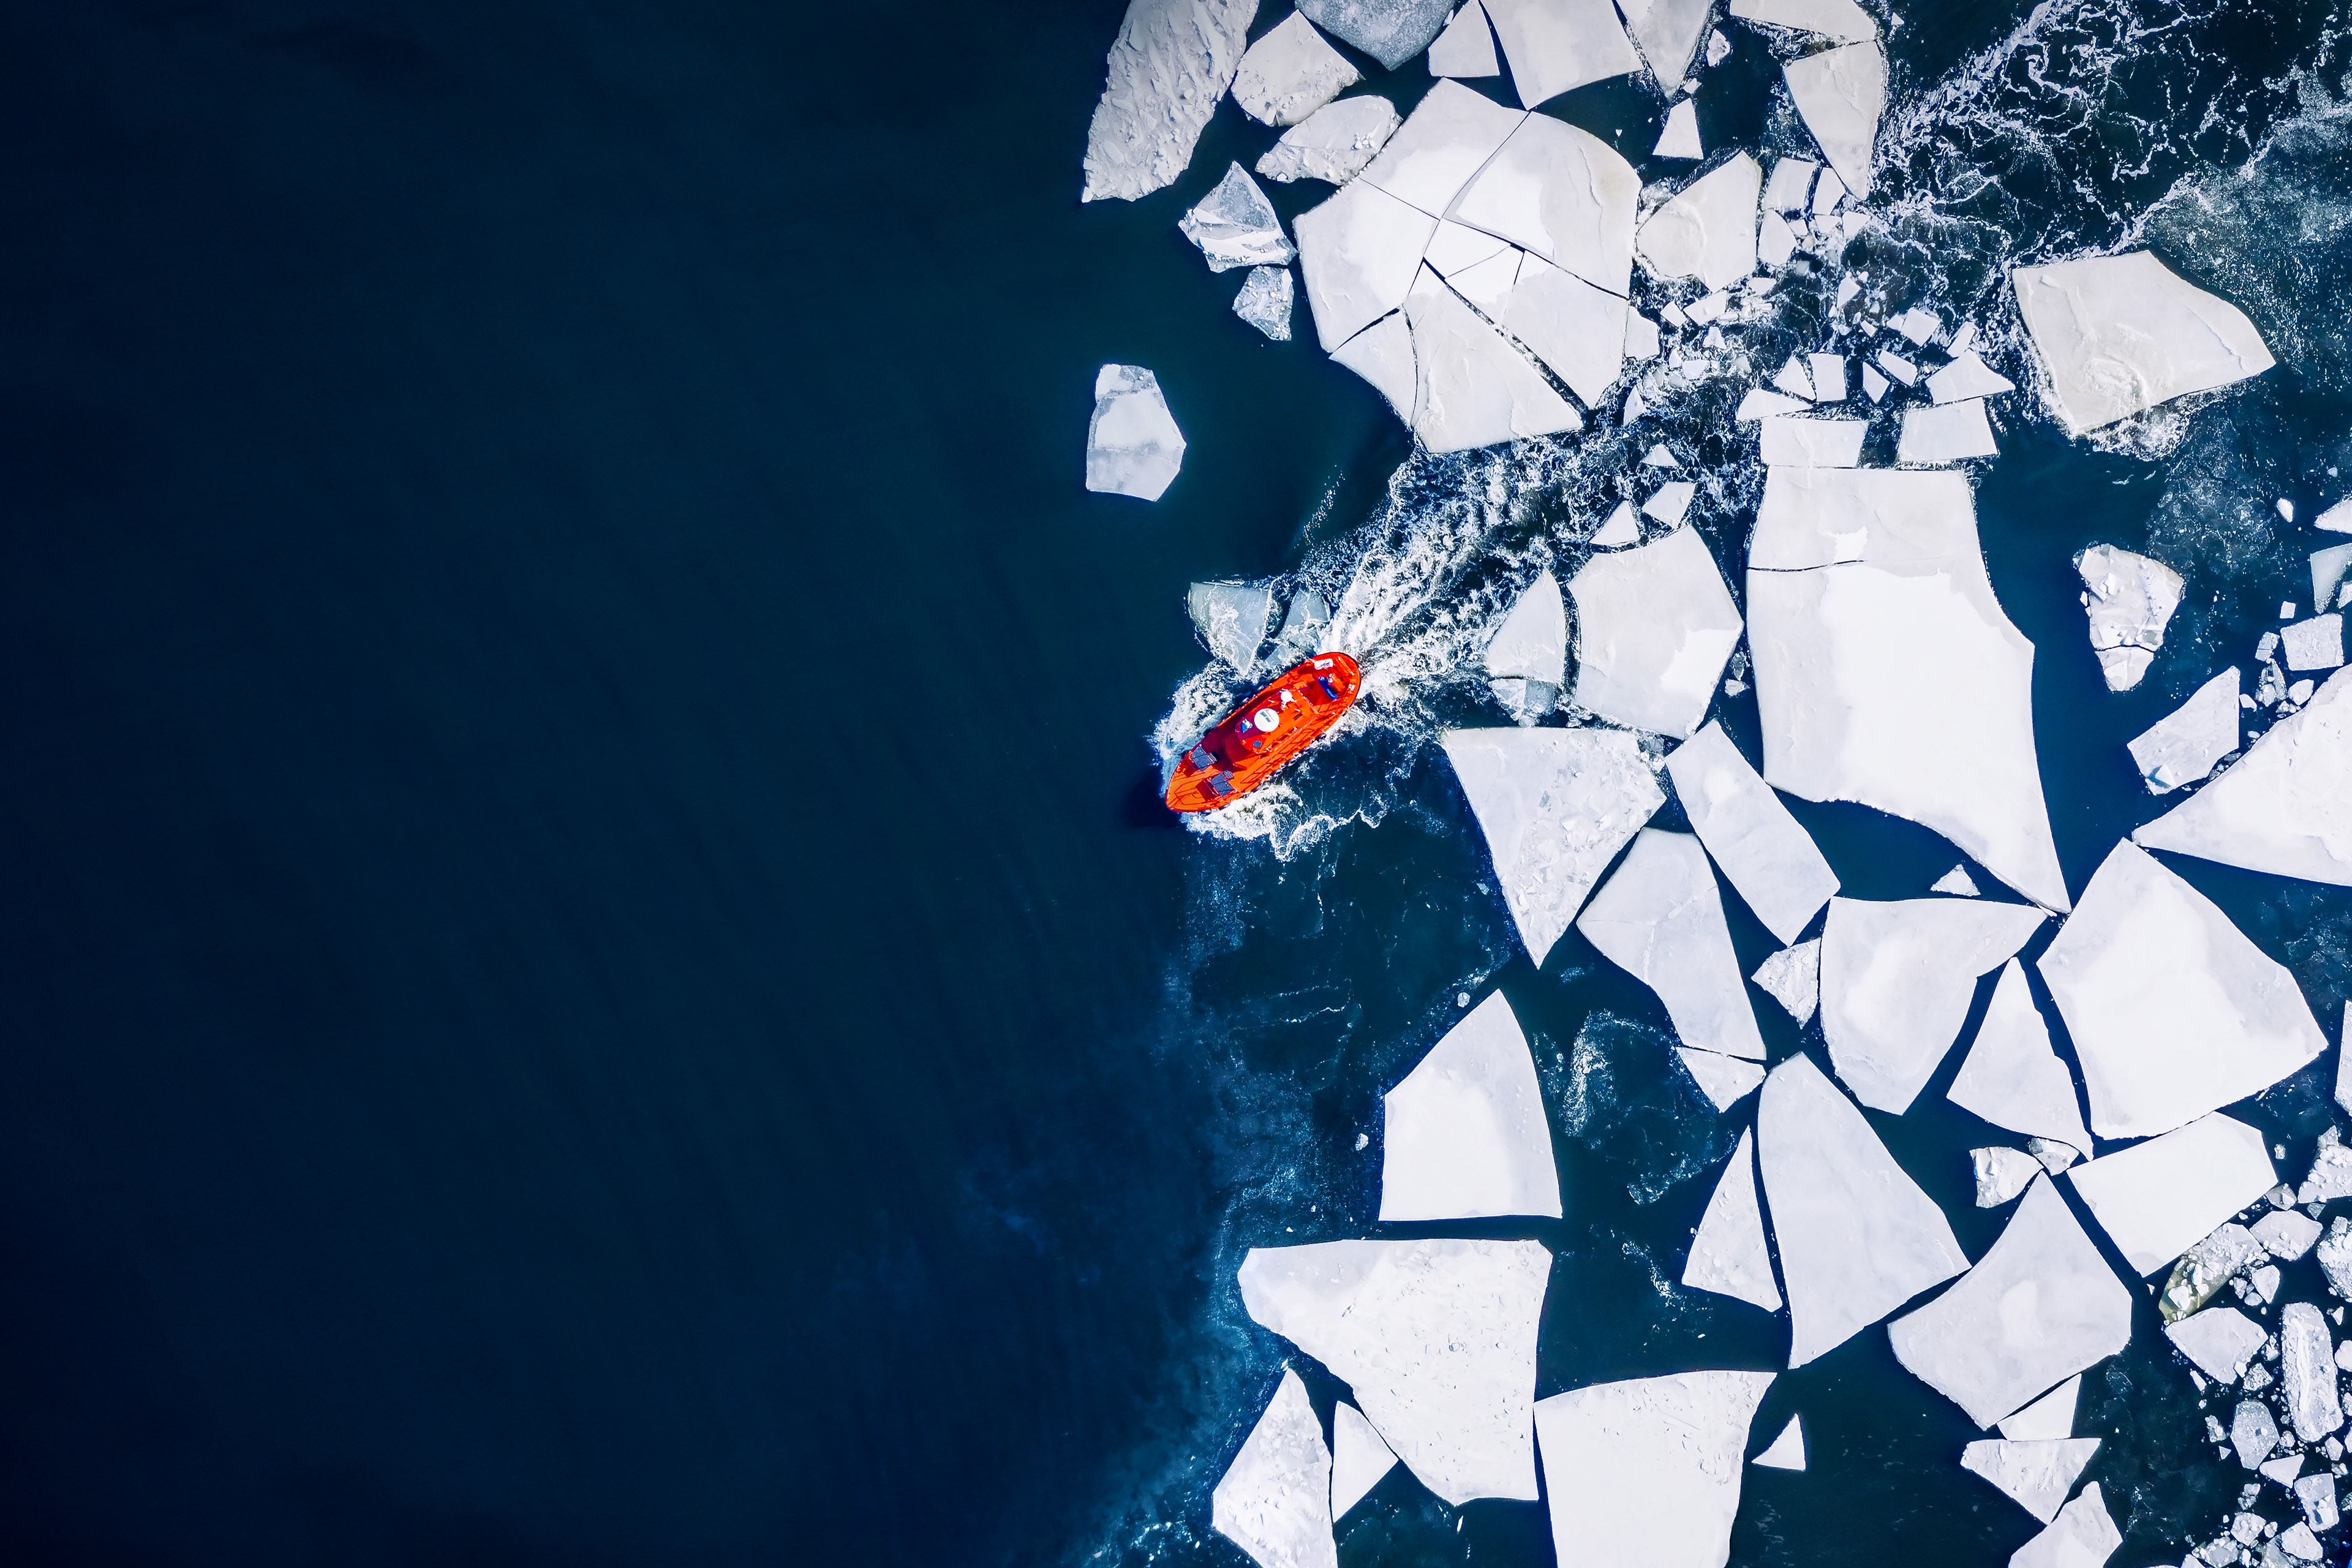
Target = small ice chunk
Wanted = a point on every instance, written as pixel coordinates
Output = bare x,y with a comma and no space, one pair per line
2314,644
1947,433
1792,182
1919,324
2205,1268
1792,977
1857,1237
1360,252
1640,337
1531,644
1360,1458
2286,1235
1795,443
2330,1176
1168,69
1840,19
1235,225
1274,1501
1382,354
1680,137
2083,1536
1776,242
1795,378
1719,49
2283,1470
1648,1470
1708,230
2131,601
1786,1452
1560,192
1620,529
2285,807
1437,1338
1840,94
1266,301
1233,618
1556,806
1725,1080
1473,388
2265,1283
1828,378
1466,48
1655,625
1659,919
2219,1340
2118,334
1668,33
2297,1541
2037,1475
1955,882
1659,457
2336,518
1873,384
1391,31
2328,567
2048,1418
1897,979
2334,1254
2158,1199
1967,376
1727,1254
2012,1078
1304,627
1761,404
1555,46
2307,1368
1670,502
2253,1433
2183,746
1133,447
1769,859
2316,1493
1290,73
1575,327
1334,144
2172,1010
1466,1137
2001,1173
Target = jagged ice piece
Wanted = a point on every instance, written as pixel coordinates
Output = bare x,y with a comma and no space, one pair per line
1360,251
1391,31
2285,807
2048,1418
1532,641
1679,138
2184,746
1649,1471
1472,388
1841,93
1946,433
1169,67
1274,1501
1841,19
2083,1536
1768,857
2119,334
1897,979
1795,443
2037,1475
2130,599
1266,301
1334,144
1554,46
1728,1255
1576,327
1360,1458
1725,1080
1708,230
2220,1341
1792,977
1787,1451
1290,73
1562,193
1655,625
2158,1199
2011,1077
1967,376
1667,32
1233,618
1133,447
1466,46
1465,1136
2001,1173
1659,919
1448,138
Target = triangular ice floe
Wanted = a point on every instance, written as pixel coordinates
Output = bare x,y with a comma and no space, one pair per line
1621,529
1725,1080
1659,919
2083,1536
1391,32
1554,46
1896,982
1465,1134
1955,882
1648,1472
2156,1200
1840,93
1679,139
2038,1475
1532,641
2048,1418
1792,977
1466,48
1768,857
1728,1255
2012,1078
1291,72
1274,1501
1669,32
1471,387
2286,806
1708,230
1359,1458
1787,1451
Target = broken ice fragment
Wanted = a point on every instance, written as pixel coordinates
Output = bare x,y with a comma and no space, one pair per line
1896,365
1382,354
2285,807
1955,882
1466,46
1828,191
1761,404
2048,1418
2328,567
1857,1237
1670,501
1360,1458
2253,1433
1304,627
1840,94
1680,137
2012,1078
2205,1268
1668,33
1472,388
1360,251
1334,144
1274,1501
1967,376
1795,378
1792,977
1659,456
2037,1475
2001,1173
1554,46
1266,301
1725,1080
1466,1137
2172,1010
1233,618
1556,806
1947,433
1620,529
1290,73
1787,1451
1641,338
1559,193
2283,1470
2298,1542
1235,225
1659,919
1841,19
1897,979
2118,334
2083,1536
1532,641
2330,1176
2314,644
1776,242
1813,442
1828,378
1919,324
1648,1470
2286,1235
1655,625
2317,1496
2219,1340
1391,31
2158,1199
1770,860
1727,1254
1873,384
1168,69
2307,1368
1576,327
2131,600
1133,447
2183,746
1437,1338
1793,179
1708,230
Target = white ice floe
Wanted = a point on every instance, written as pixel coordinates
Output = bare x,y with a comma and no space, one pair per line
1841,93
2316,1493
1768,857
1290,73
1274,1501
2307,1371
1728,1253
1679,139
1648,1472
2285,806
1918,323
2314,644
2286,1235
1661,455
1792,977
1719,48
1576,327
2220,1341
1556,806
1841,19
1334,144
1761,404
2083,1536
2253,1433
1873,384
1455,249
1169,67
2130,599
1957,883
1466,46
1530,646
1725,1080
1886,671
1795,378
1465,1135
1967,376
1659,919
1786,1452
1391,31
1946,433
1554,46
2330,1176
1233,618
2038,1308
1382,354
2012,1078
1708,230
1828,378
1360,1459
1266,301
2336,518
2001,1173
1828,191
2172,1010
1448,138
1437,1338
1235,225
1790,184
1796,443
2158,1199
1133,447
2183,746
1668,33
1896,365
1472,388
1776,241
1654,627
1360,252
1670,501
1559,193
2037,1475
2048,1418
1641,338
1620,529
2118,334
2205,1268
1897,979
2329,568
1857,1237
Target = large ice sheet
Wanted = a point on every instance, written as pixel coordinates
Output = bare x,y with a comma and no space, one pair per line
1532,642
2156,1200
1655,625
1446,138
1290,73
1471,387
1274,1501
2038,1308
2172,1010
1360,1458
1465,1132
1728,1255
2038,1475
2184,745
2286,806
1466,46
1235,225
2012,1078
2118,334
1668,33
1886,671
1769,859
1707,230
1575,328
1562,193
1554,46
1648,1472
1556,806
1857,1236
1841,19
2219,1340
1133,447
1896,982
1841,93
1169,67
1382,354
1436,1338
1333,144
1659,919
1233,618
1360,251
2130,599
1391,31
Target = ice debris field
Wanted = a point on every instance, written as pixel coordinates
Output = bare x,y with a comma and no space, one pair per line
1504,277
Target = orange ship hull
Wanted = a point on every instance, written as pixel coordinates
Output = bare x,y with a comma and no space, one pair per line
1264,734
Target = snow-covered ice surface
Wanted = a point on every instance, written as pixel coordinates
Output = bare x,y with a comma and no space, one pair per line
1897,979
2083,1535
1708,230
2050,1417
2156,1200
1335,143
1172,62
1266,301
2184,745
2012,1078
1841,20
1648,1470
2285,807
1133,447
1659,919
1391,31
1792,977
1841,93
1274,1501
1654,627
2130,599
1291,72
2118,334
1728,1253
1465,1134
2038,1475
1466,46
1766,857
1360,1458
1553,46
2220,1341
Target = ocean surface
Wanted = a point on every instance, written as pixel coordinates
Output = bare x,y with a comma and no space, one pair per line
592,968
